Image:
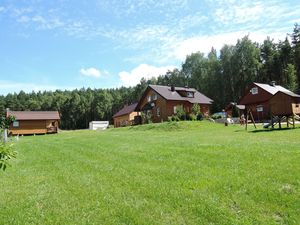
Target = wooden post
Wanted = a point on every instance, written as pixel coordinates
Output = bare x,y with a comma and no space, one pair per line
272,121
279,122
252,119
294,121
247,119
287,122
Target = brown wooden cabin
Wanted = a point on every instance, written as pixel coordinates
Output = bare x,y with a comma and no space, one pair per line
285,104
34,122
125,117
161,101
233,107
257,99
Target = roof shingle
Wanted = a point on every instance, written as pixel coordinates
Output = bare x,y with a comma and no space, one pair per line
34,115
126,110
165,92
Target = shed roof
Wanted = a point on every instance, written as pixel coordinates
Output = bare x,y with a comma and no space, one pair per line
168,94
126,110
273,89
292,94
34,115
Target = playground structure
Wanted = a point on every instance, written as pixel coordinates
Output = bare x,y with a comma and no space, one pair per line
284,107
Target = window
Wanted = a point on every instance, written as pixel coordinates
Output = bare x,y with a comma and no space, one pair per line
190,94
154,97
259,108
16,124
158,111
149,98
254,91
174,109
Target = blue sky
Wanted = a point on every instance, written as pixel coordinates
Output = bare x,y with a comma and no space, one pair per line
63,44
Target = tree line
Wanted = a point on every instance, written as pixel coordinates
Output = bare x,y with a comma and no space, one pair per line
222,76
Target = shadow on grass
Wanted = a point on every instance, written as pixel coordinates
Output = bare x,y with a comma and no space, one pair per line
274,130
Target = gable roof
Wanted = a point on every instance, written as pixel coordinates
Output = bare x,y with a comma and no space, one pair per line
165,92
273,89
126,110
34,115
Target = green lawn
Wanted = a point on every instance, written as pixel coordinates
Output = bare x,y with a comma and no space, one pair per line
170,173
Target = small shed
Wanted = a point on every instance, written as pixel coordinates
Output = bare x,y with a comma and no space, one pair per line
126,116
98,125
234,110
285,104
34,122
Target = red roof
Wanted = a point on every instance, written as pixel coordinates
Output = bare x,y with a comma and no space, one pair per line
34,115
126,110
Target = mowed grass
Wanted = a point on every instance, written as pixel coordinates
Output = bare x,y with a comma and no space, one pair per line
170,173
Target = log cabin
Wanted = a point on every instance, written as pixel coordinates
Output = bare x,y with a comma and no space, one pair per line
125,117
257,99
160,102
34,122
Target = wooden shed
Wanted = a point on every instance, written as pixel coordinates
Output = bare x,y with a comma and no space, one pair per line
34,122
125,117
285,104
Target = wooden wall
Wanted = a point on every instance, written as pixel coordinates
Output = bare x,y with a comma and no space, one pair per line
125,120
284,105
34,127
167,107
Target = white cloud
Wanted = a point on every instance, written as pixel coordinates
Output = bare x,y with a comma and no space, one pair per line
90,72
142,71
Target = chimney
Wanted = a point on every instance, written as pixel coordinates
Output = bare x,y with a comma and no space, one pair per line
172,88
273,83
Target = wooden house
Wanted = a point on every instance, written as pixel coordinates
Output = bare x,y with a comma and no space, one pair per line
285,104
257,99
125,117
34,122
160,102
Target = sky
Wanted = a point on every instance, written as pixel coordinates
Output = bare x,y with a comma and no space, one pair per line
64,44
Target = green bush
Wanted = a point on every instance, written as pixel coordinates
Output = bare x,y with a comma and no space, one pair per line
192,116
6,153
180,113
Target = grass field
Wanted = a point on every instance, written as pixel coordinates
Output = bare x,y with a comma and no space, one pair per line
170,173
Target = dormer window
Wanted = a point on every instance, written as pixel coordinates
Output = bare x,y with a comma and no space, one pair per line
190,94
254,90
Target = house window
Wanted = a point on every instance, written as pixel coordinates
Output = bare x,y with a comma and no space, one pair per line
154,97
190,94
259,108
16,124
158,111
254,91
174,109
149,98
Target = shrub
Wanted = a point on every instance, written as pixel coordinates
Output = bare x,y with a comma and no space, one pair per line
6,153
180,113
196,109
146,117
200,116
192,116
